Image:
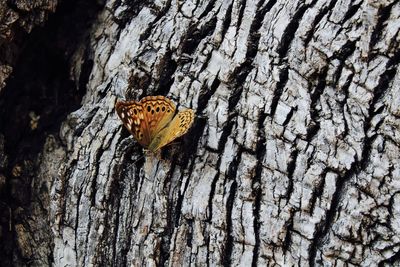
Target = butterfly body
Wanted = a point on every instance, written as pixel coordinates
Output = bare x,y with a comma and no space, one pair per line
153,120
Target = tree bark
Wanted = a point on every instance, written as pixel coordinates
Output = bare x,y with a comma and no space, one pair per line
293,158
16,19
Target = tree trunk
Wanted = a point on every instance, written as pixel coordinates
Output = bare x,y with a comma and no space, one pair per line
293,158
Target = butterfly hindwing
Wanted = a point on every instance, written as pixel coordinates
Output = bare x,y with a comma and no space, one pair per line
179,125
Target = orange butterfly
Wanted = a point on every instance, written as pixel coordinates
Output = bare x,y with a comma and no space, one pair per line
152,121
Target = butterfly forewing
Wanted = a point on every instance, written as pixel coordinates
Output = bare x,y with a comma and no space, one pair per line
158,112
132,115
178,127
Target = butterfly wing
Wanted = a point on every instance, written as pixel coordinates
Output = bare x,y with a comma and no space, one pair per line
158,112
144,119
131,114
179,125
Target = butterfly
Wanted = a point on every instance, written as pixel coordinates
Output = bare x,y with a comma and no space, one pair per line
153,121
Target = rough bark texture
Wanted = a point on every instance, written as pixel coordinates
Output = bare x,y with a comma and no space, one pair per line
16,19
17,170
293,158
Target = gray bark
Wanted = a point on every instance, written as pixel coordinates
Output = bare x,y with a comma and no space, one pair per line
293,158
